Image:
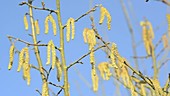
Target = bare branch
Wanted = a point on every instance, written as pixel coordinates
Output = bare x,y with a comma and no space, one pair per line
88,12
78,61
38,8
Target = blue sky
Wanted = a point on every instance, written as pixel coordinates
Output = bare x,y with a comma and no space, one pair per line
11,23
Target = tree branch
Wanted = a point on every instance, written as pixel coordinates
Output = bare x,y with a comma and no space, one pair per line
78,61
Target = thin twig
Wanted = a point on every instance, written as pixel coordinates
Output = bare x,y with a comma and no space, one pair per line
48,73
38,92
162,50
141,57
88,12
157,44
29,44
78,61
59,91
38,8
55,85
163,63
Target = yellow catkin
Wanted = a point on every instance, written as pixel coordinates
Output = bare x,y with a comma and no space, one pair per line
37,27
85,34
24,61
150,30
92,59
49,52
158,89
26,71
91,38
73,28
11,56
68,30
25,22
21,60
51,49
165,41
53,55
104,12
70,21
112,55
168,19
59,69
53,24
46,24
148,36
95,80
45,89
104,70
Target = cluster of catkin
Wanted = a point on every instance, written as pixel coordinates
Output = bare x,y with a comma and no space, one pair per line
51,19
24,62
90,39
105,13
35,22
148,36
55,60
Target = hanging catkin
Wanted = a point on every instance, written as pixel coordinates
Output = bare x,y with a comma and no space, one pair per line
104,12
49,52
11,56
112,55
59,69
46,24
70,21
21,59
37,27
53,55
104,70
51,19
53,24
165,41
95,79
51,49
25,22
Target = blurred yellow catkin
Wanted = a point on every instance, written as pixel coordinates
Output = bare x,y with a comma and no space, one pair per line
148,36
165,41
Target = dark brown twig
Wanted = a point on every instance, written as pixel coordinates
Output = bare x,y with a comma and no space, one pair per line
55,85
38,92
